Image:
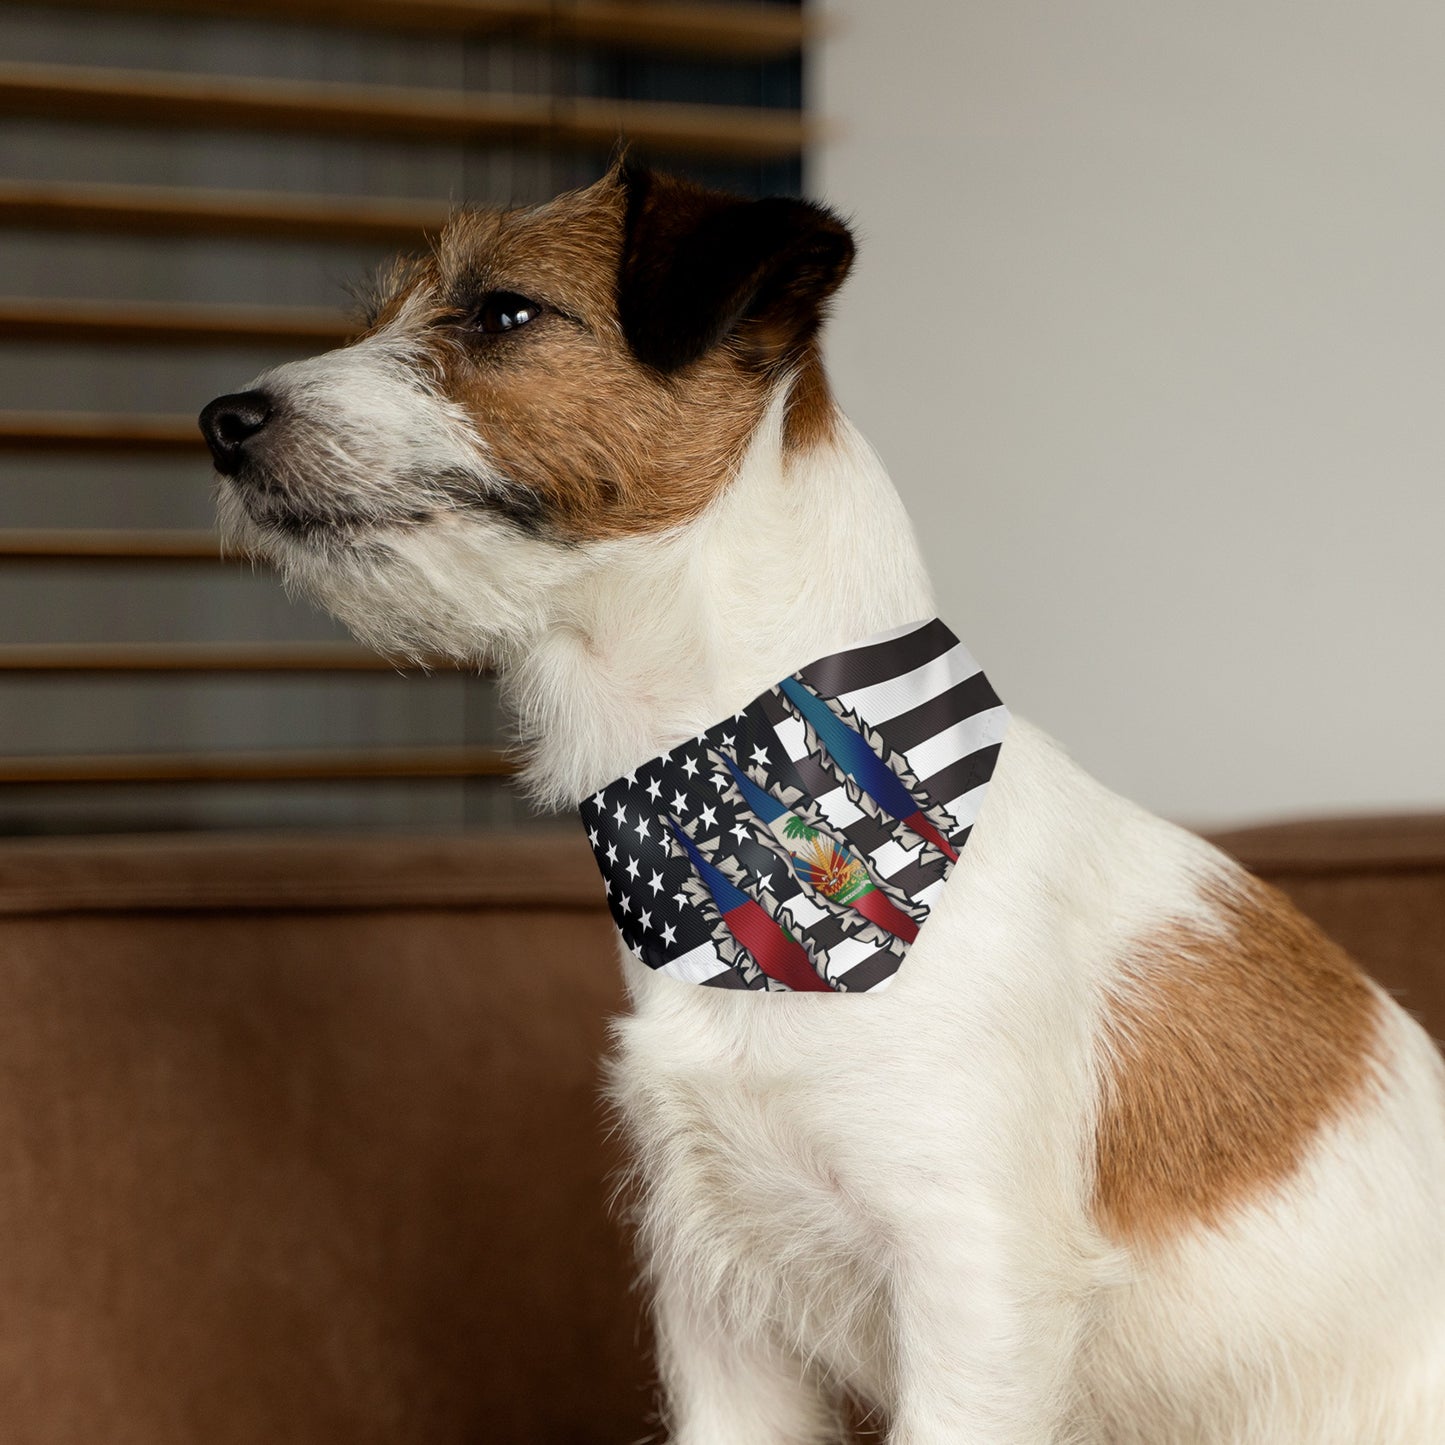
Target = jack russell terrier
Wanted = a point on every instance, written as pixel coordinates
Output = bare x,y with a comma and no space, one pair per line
1117,1149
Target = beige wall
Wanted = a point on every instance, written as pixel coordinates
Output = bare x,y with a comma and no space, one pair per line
1149,324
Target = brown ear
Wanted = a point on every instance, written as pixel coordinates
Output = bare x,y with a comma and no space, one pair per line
699,266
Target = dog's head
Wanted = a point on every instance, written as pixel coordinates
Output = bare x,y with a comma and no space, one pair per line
572,376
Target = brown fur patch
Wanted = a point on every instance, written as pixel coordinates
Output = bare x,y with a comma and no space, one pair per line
812,415
609,447
1226,1055
604,445
600,444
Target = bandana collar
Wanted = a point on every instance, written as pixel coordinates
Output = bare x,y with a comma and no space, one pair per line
799,845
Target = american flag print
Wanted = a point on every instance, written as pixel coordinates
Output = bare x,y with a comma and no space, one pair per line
798,845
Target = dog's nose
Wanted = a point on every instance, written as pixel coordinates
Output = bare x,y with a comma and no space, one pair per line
229,422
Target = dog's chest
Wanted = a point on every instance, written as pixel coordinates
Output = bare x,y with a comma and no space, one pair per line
753,1178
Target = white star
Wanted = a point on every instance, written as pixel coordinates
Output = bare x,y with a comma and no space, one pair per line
625,903
689,766
653,789
637,952
592,836
740,832
708,816
621,815
727,741
669,933
655,883
632,776
644,919
738,716
701,738
760,757
632,869
679,804
642,827
680,898
612,852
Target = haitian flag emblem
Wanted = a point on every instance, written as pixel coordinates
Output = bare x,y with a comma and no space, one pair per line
799,845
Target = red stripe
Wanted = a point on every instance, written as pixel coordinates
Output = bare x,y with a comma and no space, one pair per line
775,953
929,833
880,909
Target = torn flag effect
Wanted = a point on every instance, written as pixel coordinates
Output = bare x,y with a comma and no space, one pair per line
798,845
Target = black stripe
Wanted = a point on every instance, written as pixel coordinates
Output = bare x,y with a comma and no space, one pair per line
928,719
868,834
827,933
763,867
814,778
771,706
914,877
864,666
957,778
871,972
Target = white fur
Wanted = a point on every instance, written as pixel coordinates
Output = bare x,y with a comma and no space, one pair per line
890,1194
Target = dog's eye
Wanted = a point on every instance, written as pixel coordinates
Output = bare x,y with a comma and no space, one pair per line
504,311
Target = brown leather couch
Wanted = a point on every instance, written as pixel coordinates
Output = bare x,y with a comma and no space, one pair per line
300,1138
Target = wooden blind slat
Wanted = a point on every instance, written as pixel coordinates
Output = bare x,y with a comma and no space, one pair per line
158,323
80,431
259,767
758,32
715,29
156,98
169,210
74,544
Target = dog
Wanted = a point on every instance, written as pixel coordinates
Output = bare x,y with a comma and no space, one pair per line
1129,1152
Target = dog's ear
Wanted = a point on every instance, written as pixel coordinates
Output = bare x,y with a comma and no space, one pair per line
699,266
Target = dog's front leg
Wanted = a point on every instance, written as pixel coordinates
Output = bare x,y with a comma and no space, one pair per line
984,1344
723,1385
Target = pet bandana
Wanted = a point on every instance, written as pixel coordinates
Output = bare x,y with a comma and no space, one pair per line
800,844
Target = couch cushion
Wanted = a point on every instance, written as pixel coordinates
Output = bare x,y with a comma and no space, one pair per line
300,1140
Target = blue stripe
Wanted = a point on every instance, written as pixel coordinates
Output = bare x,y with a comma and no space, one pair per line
851,752
764,805
725,894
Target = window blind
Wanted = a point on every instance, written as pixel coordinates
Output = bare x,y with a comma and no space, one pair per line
186,189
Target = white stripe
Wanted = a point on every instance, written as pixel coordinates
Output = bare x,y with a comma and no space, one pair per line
696,965
803,909
930,895
884,700
890,857
965,807
839,809
963,738
793,736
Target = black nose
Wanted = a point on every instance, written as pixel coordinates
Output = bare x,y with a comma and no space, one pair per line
229,422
